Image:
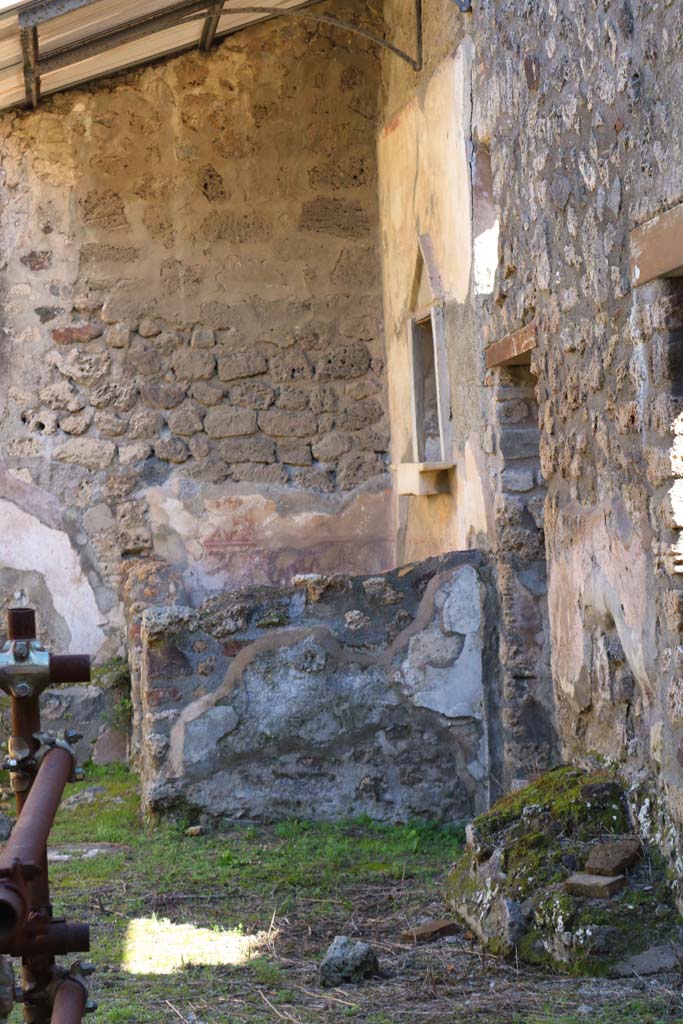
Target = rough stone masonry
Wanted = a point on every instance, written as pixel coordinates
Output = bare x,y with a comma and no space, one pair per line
334,697
195,393
192,354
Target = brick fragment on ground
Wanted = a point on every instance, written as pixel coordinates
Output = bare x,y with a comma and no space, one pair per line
594,886
430,930
614,858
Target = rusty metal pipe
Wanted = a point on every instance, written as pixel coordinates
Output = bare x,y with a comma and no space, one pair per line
21,624
28,841
49,938
69,1003
13,908
69,668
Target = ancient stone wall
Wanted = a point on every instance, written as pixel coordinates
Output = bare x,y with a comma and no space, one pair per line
437,203
579,105
192,359
335,697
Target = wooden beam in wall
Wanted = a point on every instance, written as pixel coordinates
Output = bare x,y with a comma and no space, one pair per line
657,247
514,349
29,50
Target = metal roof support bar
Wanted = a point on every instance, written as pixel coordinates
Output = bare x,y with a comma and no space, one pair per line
29,49
210,28
330,19
150,24
39,11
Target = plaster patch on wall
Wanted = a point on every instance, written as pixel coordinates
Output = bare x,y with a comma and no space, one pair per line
443,667
600,571
235,540
30,546
486,259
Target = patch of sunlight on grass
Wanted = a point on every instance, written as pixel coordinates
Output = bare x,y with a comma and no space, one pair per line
157,946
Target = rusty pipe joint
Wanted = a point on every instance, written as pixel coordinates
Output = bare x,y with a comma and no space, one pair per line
14,903
69,993
24,668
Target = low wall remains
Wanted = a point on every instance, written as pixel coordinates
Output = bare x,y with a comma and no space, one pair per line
334,697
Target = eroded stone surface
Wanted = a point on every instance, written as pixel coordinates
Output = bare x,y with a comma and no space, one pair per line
336,697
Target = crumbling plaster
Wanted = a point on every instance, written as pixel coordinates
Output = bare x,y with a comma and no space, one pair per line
436,185
334,697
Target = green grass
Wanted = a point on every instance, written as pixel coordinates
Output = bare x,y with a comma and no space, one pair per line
179,902
630,1011
230,927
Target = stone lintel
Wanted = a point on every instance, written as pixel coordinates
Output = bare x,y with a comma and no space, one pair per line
657,247
514,348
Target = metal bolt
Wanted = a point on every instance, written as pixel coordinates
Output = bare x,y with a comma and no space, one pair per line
21,650
90,1006
23,690
78,775
87,967
71,736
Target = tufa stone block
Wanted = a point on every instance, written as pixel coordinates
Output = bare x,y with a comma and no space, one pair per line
233,365
599,887
614,858
81,451
229,421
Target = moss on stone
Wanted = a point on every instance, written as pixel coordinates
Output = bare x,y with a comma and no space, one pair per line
113,674
508,886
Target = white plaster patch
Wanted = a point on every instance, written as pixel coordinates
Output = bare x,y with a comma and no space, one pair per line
462,608
486,259
435,677
204,733
457,691
29,545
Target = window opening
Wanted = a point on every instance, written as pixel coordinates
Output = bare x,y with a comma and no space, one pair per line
430,392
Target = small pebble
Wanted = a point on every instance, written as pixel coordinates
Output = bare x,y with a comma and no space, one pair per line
194,830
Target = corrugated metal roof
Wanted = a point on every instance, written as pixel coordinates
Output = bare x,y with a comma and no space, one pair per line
49,45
